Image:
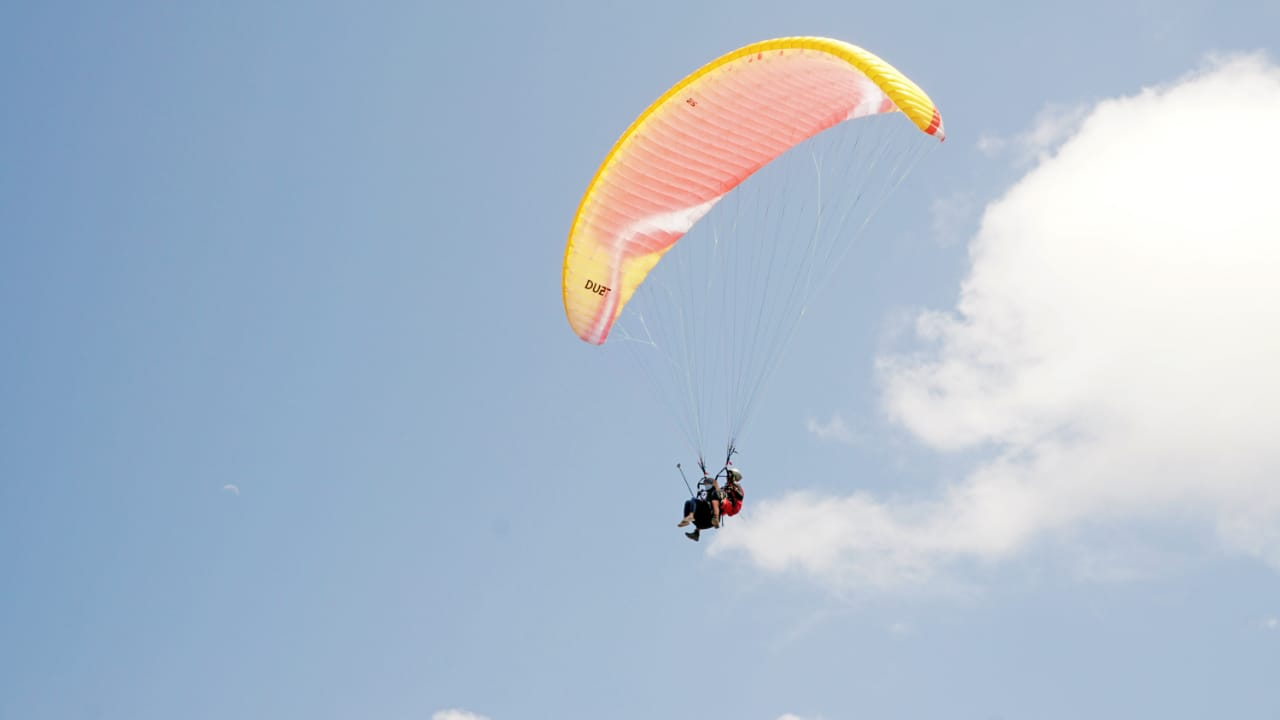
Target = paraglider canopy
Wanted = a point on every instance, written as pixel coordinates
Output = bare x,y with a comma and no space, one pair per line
701,139
715,325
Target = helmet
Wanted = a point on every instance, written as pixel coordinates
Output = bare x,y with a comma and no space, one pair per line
735,474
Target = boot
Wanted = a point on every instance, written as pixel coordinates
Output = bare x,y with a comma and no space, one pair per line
687,519
693,535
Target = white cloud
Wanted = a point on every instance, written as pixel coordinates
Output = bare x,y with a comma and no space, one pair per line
1050,129
455,714
1271,623
835,429
1114,350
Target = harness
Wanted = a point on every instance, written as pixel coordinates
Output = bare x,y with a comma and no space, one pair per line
709,481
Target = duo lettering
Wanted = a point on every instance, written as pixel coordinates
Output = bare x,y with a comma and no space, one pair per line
596,288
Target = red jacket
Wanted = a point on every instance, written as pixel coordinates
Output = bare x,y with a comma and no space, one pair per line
731,505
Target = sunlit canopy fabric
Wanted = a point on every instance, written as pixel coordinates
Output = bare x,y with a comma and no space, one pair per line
701,139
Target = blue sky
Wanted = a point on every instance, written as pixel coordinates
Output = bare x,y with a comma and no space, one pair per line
1017,463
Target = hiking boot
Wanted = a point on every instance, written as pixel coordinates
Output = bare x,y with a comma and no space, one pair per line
687,519
693,535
